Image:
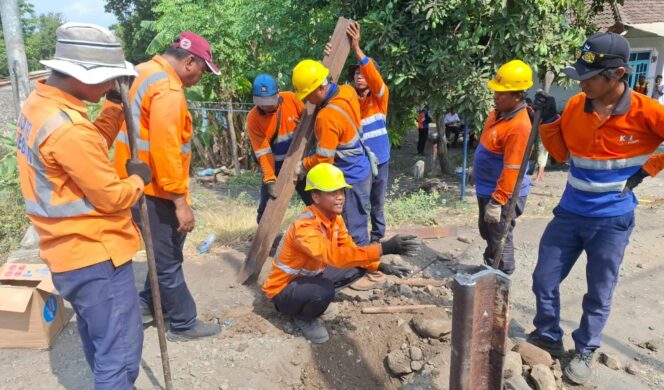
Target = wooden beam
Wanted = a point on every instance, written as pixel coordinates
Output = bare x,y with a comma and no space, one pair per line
273,216
231,129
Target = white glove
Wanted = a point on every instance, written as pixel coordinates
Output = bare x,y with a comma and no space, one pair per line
300,171
492,212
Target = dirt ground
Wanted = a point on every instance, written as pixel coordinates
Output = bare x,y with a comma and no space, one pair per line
260,349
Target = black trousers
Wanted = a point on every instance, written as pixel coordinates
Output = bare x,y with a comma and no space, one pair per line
307,297
422,135
492,233
452,134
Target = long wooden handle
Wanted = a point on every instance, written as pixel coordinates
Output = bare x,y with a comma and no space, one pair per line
133,135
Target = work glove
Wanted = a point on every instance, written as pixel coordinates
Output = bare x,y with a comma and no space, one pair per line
392,269
113,94
546,104
634,181
271,189
140,169
401,245
300,171
492,212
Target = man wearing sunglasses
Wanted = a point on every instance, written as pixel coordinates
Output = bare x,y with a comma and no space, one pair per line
608,134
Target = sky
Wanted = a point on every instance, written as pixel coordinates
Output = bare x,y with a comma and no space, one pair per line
88,11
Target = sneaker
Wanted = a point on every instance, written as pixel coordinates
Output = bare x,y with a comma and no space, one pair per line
554,348
199,330
370,281
331,312
579,370
313,330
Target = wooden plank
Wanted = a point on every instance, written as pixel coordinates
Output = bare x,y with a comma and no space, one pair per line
285,186
425,232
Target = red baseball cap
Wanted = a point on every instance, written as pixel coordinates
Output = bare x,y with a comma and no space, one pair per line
197,45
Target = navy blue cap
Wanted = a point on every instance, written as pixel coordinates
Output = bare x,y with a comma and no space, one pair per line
599,52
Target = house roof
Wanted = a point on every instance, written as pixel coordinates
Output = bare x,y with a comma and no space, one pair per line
632,12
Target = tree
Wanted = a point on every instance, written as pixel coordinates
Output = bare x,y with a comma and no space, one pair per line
40,44
130,15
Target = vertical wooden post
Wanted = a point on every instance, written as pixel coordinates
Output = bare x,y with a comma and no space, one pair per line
231,129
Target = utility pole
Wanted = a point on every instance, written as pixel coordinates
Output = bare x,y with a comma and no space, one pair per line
18,63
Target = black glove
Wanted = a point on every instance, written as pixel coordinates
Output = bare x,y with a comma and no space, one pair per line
272,189
396,270
546,104
401,245
634,181
114,94
140,169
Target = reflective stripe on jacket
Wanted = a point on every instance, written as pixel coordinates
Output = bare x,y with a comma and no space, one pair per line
603,155
73,196
337,138
159,108
311,243
261,128
373,109
498,157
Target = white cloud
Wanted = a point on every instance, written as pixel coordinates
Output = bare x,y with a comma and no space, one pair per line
88,11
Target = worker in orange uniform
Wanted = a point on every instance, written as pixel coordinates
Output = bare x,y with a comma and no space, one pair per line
337,131
271,124
165,126
641,85
78,204
317,256
607,134
498,158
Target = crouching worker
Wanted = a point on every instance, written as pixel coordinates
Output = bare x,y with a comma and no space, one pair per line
317,255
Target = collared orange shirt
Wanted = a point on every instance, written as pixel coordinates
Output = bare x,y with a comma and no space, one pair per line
75,199
165,125
311,243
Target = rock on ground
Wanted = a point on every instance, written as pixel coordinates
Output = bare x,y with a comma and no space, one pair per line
512,365
418,169
610,361
416,353
398,363
30,238
432,327
542,377
516,383
533,355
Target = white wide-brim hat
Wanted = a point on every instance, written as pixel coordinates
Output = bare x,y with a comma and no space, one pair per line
89,53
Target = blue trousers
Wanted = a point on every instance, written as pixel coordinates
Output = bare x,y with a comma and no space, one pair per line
108,316
492,233
377,199
566,236
308,297
356,211
168,243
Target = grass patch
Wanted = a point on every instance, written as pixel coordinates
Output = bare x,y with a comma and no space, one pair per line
420,207
233,220
246,179
13,221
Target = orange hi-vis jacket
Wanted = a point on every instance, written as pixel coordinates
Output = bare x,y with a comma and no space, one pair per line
311,243
159,108
603,155
262,126
73,196
337,130
373,109
498,157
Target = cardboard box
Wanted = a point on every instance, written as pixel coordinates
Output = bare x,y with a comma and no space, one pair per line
32,312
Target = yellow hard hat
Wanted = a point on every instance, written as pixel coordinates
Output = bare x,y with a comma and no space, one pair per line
515,75
307,76
325,177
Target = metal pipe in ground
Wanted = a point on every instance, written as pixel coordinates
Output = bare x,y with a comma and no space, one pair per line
479,330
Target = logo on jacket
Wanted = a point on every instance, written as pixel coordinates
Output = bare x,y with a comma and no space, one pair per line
628,139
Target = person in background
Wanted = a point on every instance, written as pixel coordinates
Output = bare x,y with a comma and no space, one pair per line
641,85
658,89
423,120
452,128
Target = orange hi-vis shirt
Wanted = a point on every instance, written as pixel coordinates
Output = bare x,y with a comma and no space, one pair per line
373,109
604,154
498,157
313,242
337,130
73,196
159,108
261,131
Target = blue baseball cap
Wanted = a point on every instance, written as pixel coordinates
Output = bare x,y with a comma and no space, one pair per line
265,90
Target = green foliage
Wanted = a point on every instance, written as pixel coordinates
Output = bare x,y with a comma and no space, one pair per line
38,36
417,208
248,179
13,220
130,14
